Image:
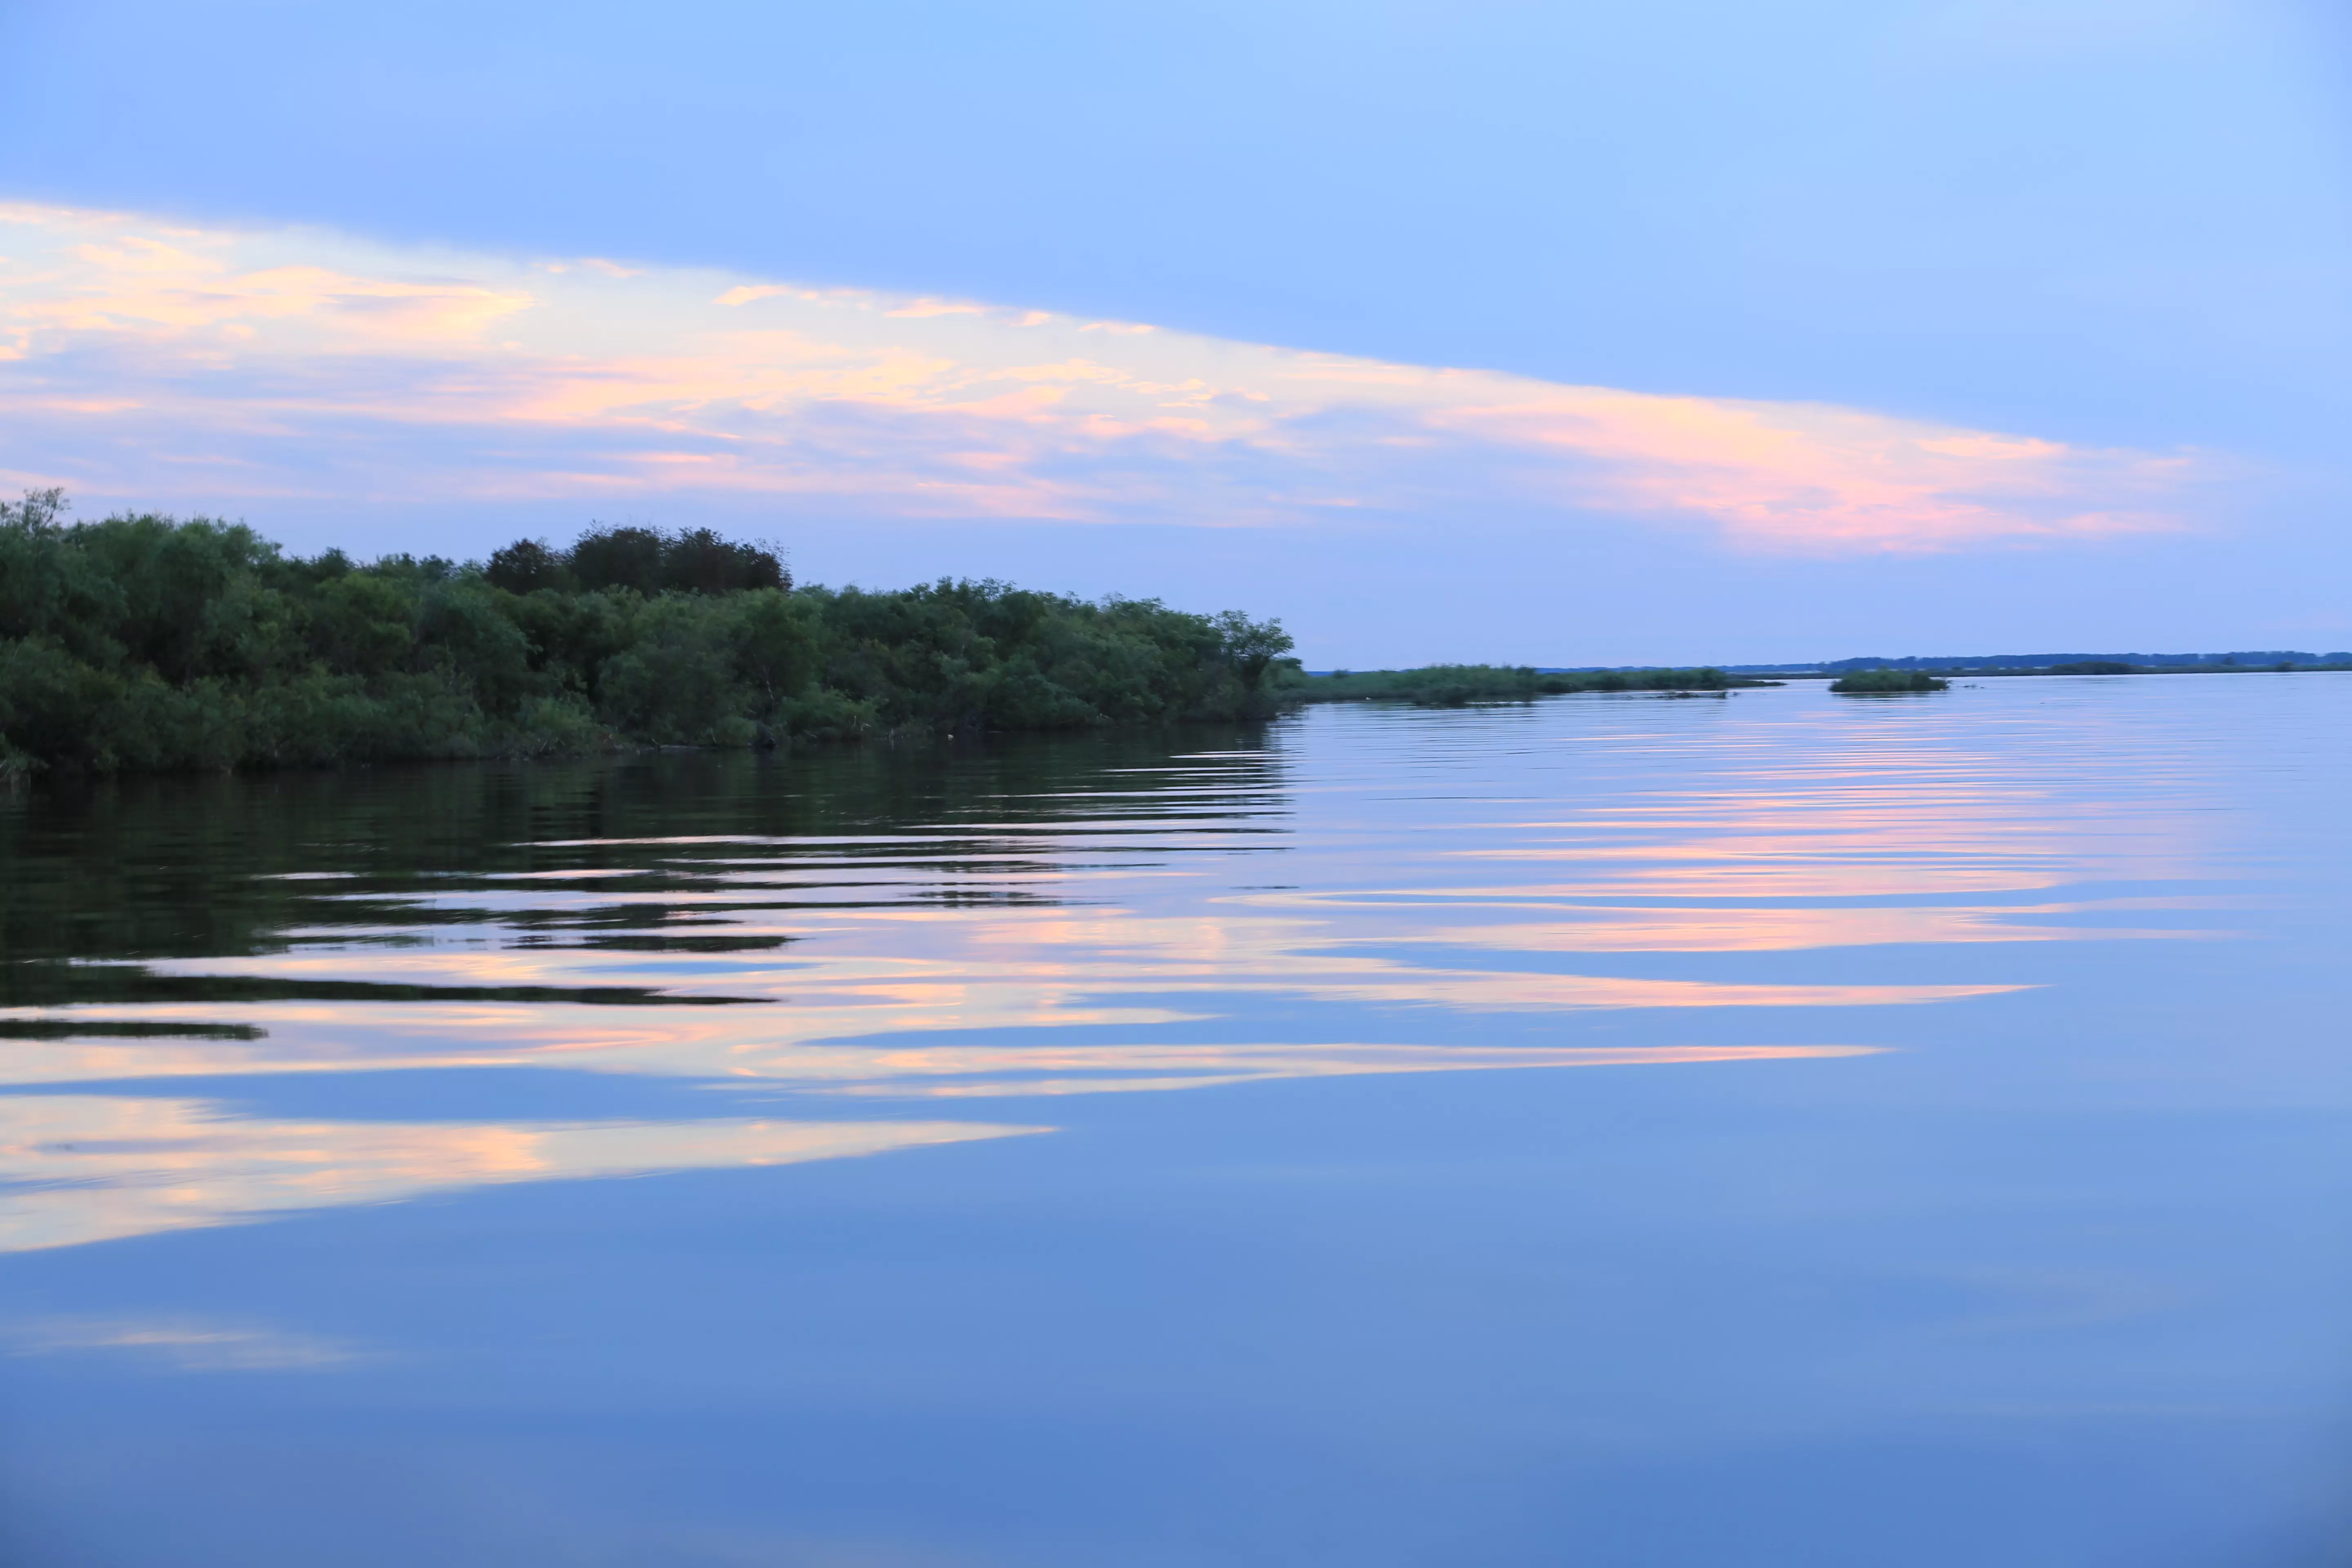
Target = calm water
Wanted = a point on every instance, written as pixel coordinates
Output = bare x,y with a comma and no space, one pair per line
1777,1130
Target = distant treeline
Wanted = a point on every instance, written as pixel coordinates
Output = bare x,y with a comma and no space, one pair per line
141,643
2070,663
1442,685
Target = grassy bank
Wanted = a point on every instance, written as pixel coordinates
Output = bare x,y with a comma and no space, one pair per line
1444,685
140,643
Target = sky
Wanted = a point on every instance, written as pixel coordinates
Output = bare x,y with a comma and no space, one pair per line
1553,333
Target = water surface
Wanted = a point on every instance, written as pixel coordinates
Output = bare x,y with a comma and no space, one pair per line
1166,1149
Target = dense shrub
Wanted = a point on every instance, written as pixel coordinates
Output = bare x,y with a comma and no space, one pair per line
143,643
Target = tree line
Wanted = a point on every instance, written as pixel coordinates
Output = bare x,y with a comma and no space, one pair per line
143,643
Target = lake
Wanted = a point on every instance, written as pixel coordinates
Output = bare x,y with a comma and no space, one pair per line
1649,1133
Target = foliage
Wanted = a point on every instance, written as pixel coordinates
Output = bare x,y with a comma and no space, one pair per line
1887,682
140,643
696,561
1445,685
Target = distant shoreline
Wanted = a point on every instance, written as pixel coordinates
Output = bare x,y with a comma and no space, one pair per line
2240,663
1451,685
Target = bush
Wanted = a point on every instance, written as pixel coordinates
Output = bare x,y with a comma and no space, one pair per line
526,566
644,559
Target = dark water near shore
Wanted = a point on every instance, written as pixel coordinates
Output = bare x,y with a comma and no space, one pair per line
1165,1151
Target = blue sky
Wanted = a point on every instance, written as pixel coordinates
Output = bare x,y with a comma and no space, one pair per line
2102,251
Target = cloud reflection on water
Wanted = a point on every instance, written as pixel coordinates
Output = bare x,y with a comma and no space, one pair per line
1067,954
85,1168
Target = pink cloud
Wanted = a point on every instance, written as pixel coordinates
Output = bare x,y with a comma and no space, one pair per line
291,356
1797,476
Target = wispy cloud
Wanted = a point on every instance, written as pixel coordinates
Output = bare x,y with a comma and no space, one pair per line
145,359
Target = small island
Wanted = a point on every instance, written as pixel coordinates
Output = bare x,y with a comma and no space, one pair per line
1887,682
